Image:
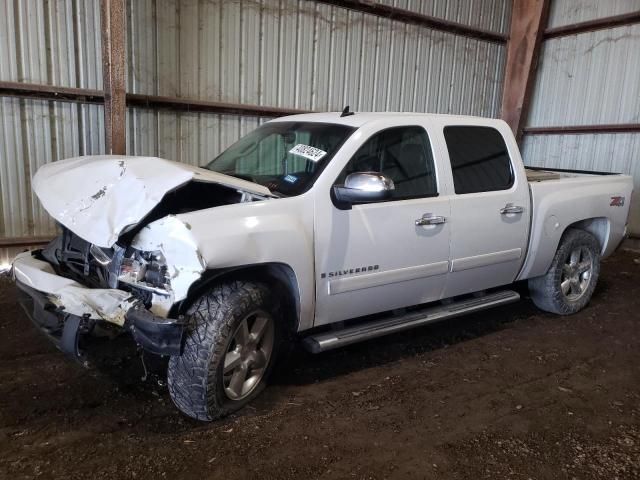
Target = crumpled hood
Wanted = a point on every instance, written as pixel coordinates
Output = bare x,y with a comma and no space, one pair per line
98,197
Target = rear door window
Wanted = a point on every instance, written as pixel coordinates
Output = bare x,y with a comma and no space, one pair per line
479,159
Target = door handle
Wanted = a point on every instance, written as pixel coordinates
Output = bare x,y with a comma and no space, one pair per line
429,219
511,208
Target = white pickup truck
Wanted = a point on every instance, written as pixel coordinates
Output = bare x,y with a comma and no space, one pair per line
333,227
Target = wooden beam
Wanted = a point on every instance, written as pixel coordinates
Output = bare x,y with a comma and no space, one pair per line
113,24
427,21
528,20
584,129
593,25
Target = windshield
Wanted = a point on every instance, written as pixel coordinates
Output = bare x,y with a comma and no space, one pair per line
285,157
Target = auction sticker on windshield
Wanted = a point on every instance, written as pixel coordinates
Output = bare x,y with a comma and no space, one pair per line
312,153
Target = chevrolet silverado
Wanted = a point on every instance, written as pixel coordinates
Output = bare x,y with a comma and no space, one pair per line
330,228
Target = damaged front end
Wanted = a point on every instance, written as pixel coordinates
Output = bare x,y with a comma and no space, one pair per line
158,335
65,309
71,285
125,259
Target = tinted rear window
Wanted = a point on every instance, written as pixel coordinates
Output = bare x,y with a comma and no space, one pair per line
479,159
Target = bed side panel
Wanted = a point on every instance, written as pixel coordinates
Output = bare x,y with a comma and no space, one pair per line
558,204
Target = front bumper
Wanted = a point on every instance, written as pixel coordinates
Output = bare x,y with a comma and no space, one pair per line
65,310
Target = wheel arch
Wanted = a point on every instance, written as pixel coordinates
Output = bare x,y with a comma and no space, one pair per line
278,275
568,285
599,227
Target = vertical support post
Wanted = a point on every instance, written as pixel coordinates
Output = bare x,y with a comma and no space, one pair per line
113,25
528,21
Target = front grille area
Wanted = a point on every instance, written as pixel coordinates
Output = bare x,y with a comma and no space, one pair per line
72,258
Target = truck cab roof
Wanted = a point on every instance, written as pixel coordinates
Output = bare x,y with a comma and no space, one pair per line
358,119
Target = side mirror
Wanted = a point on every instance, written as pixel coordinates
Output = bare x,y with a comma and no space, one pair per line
363,187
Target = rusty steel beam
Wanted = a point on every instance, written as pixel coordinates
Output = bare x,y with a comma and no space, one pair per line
50,92
157,102
584,129
528,19
113,26
593,25
8,242
427,21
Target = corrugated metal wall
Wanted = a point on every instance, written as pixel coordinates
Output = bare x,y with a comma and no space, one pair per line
589,79
282,53
492,15
300,54
54,42
565,12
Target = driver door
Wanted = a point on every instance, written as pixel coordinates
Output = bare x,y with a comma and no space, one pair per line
382,256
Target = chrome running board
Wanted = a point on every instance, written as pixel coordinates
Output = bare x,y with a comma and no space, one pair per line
322,342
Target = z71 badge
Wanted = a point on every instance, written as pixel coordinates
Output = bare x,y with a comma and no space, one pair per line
617,202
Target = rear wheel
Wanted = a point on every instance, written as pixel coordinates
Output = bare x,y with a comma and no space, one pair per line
229,351
568,285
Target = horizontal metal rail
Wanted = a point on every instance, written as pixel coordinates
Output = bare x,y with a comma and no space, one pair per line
9,242
51,92
583,129
427,21
156,102
592,25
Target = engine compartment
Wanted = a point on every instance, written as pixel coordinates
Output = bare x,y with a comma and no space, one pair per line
127,268
190,197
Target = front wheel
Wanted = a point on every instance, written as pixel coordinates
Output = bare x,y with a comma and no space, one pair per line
229,351
568,285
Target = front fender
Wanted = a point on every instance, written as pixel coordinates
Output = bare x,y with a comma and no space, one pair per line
172,237
271,231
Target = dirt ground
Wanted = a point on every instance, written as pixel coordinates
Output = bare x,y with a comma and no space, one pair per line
512,393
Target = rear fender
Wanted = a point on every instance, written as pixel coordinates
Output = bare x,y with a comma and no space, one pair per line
584,203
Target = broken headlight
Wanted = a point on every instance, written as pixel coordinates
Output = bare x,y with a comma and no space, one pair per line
146,270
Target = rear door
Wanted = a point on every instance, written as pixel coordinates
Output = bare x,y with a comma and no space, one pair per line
490,208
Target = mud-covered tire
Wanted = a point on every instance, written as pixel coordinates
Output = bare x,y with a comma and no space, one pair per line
196,379
548,292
